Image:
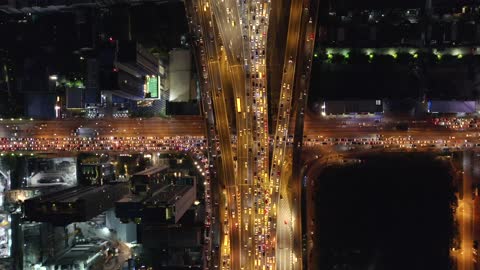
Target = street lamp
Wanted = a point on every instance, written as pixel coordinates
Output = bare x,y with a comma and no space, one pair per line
57,111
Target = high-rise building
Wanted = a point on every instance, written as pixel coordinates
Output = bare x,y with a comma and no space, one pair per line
180,75
48,51
415,50
124,69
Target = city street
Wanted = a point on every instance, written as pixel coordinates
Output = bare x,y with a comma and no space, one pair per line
465,215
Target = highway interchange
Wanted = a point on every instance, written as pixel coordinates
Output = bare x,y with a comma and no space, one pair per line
257,188
237,32
243,31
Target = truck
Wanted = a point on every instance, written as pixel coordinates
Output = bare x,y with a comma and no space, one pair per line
85,132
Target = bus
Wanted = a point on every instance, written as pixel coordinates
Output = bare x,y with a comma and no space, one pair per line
148,180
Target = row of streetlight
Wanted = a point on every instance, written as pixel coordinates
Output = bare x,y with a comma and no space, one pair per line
392,52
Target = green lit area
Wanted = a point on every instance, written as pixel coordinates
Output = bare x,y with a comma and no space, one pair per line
74,82
151,89
339,55
168,213
392,51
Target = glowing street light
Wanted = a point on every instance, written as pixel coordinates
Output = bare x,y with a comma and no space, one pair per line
105,230
393,53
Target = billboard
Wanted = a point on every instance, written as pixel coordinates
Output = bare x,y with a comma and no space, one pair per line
151,89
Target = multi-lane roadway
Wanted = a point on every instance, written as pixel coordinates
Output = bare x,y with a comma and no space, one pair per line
191,125
333,134
242,27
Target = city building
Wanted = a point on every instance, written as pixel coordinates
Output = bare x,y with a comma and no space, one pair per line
182,86
7,84
41,105
75,98
13,7
165,205
93,170
148,181
169,225
385,23
452,106
125,78
74,204
92,88
124,66
39,242
396,51
97,173
341,107
81,256
97,69
126,232
43,172
180,75
47,51
178,247
24,7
